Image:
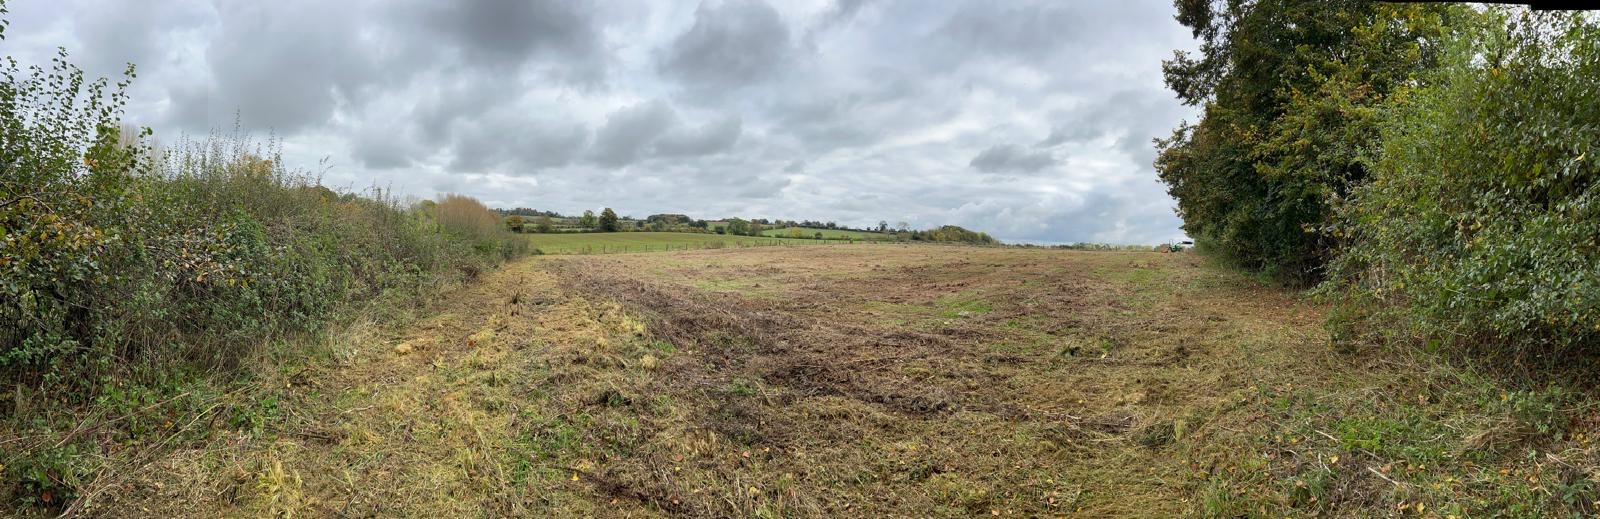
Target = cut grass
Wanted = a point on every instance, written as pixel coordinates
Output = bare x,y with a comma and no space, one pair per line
1077,384
622,242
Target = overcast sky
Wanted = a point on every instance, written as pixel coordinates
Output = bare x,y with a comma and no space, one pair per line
1029,120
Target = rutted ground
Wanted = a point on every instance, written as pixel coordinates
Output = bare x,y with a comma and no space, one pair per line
867,381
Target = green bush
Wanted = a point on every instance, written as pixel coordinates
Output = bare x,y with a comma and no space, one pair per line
132,278
1290,90
1481,224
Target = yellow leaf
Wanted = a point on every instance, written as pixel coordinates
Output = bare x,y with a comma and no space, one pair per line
1334,460
574,476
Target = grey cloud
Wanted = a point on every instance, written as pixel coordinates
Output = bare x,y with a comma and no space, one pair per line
629,132
711,138
383,150
515,145
1029,119
1130,117
278,68
1075,131
730,45
843,12
653,129
763,187
497,33
1039,30
1010,158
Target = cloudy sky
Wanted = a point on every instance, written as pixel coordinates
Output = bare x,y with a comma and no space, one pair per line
1029,120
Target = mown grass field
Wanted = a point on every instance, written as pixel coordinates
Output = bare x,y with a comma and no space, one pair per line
618,242
878,381
830,234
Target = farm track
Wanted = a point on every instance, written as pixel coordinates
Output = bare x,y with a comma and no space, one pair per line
861,381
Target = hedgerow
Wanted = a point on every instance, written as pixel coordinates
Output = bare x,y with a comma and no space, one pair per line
1481,224
131,273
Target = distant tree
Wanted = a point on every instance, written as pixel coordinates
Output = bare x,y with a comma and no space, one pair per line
588,220
608,220
883,226
544,224
903,226
795,232
818,235
737,227
755,229
514,223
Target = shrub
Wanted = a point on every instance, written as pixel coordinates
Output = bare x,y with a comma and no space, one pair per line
1482,219
465,216
129,273
514,223
1288,89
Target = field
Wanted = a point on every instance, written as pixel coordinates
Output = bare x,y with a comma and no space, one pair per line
872,381
619,242
830,234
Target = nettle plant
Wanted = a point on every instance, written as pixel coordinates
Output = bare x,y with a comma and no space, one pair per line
1481,225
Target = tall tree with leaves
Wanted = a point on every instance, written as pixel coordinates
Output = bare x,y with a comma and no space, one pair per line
1290,91
608,220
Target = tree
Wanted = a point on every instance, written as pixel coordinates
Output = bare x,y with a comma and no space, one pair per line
544,224
608,220
514,223
1479,226
1291,90
737,227
883,226
588,220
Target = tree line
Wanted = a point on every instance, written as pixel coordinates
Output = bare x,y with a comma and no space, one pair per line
523,219
1426,164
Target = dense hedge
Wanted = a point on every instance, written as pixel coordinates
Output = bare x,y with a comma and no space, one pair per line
1433,164
1482,220
117,256
1291,90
